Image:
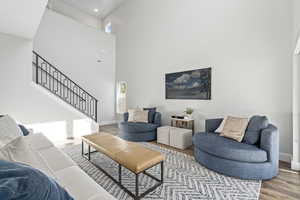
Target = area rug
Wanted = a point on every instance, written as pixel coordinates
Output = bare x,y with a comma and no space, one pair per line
184,179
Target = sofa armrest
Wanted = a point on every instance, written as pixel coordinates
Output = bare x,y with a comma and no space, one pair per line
212,124
269,142
157,118
125,116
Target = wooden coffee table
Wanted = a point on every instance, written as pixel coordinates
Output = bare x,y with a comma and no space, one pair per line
130,155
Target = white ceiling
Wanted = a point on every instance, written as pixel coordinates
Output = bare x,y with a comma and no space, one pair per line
105,7
21,18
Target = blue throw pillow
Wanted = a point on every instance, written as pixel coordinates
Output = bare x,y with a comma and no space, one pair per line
24,130
151,114
22,182
255,126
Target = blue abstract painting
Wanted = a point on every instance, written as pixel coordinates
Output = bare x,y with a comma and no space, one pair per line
194,84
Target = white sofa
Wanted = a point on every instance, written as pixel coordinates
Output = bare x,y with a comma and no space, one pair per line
59,166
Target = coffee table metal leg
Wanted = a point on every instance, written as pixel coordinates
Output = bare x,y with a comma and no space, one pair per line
137,185
162,171
89,154
82,146
120,174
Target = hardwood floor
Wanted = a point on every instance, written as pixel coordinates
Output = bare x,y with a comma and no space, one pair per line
286,186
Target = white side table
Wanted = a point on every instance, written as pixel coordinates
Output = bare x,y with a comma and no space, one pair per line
180,138
176,137
163,135
183,123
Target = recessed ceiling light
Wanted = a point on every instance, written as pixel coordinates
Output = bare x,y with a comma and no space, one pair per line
96,10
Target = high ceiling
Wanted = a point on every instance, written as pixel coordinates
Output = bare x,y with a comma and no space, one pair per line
88,6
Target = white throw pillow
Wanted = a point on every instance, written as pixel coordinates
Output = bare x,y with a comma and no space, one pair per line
235,128
9,130
138,115
20,151
221,127
17,151
131,115
141,116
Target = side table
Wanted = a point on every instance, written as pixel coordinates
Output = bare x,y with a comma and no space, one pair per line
183,123
175,137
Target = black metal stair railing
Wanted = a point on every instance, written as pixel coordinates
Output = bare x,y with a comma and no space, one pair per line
59,84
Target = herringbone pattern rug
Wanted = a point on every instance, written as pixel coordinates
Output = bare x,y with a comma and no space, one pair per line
184,179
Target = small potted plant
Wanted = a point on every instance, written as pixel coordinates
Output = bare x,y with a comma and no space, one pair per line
188,112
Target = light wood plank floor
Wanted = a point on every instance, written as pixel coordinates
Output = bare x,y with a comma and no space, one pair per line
286,186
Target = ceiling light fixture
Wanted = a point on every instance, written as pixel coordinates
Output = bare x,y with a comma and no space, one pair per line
96,10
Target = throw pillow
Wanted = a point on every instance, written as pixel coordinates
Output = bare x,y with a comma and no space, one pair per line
151,114
131,114
234,128
20,151
22,127
137,115
24,130
141,116
9,130
255,126
22,182
221,127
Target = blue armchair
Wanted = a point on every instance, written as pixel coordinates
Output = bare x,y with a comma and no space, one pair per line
139,131
256,157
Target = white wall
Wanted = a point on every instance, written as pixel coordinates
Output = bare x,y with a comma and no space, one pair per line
296,88
21,18
75,48
78,48
247,44
18,97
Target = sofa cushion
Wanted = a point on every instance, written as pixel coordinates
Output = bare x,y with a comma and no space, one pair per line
80,185
38,141
137,127
19,181
255,126
56,159
229,149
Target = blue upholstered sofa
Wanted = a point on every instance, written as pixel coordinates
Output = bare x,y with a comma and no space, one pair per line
140,131
256,157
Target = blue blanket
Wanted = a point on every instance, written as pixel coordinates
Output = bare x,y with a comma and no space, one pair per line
22,182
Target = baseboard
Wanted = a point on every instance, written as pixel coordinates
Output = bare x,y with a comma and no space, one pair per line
285,157
103,123
295,165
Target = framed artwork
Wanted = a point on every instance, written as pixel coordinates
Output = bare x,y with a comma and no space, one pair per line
193,84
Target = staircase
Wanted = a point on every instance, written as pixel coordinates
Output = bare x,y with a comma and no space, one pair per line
59,84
